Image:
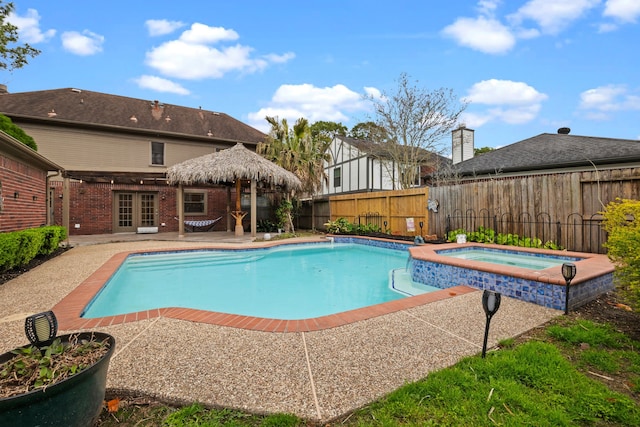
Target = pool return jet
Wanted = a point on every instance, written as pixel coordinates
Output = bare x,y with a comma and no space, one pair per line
491,304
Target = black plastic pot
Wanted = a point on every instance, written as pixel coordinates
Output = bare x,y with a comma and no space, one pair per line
76,401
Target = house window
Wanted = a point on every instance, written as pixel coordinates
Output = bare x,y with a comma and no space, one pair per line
337,174
157,153
195,203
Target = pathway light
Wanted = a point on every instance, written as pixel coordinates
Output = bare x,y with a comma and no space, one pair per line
41,328
568,272
491,304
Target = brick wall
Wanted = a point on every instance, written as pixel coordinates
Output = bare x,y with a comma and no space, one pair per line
91,206
24,195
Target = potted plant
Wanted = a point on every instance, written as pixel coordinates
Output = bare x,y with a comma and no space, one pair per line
54,381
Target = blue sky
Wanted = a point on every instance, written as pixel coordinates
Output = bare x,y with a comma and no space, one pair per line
526,67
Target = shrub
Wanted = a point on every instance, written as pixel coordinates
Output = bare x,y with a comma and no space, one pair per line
622,223
487,235
18,248
9,245
340,226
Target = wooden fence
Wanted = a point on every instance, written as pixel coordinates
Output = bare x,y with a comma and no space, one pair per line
537,203
392,210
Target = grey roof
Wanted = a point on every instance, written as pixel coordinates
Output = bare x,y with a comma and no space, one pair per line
552,151
86,108
378,150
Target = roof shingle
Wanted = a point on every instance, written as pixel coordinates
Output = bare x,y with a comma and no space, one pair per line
552,151
86,107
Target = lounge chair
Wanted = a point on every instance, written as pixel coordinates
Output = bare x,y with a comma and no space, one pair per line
205,224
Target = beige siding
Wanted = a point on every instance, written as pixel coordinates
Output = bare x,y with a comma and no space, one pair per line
103,151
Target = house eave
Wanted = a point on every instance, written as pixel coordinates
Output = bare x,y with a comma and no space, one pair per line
21,151
122,129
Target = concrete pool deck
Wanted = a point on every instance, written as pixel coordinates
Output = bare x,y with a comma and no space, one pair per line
316,374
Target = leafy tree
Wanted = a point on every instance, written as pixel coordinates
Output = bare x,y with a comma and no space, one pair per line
297,151
326,130
13,55
416,120
482,150
622,223
8,127
369,131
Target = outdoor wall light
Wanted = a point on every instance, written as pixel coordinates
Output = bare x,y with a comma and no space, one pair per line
16,195
35,198
568,272
490,304
41,328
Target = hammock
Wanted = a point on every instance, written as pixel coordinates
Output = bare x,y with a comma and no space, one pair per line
206,224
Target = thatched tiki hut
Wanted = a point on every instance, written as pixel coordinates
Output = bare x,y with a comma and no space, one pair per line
230,167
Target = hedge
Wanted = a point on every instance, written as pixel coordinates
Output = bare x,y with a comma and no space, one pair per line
18,248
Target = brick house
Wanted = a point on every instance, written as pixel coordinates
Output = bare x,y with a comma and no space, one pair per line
115,151
24,180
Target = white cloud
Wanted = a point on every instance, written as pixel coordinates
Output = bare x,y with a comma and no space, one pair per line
160,27
29,27
160,85
511,102
500,92
200,33
622,10
85,43
488,7
484,34
603,100
291,102
552,16
192,57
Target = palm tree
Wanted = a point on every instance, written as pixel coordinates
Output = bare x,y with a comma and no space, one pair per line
298,152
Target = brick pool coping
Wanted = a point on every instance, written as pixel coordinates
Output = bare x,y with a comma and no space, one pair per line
68,311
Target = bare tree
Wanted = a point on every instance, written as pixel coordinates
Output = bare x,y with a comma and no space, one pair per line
416,121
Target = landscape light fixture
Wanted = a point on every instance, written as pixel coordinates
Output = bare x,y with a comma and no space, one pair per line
491,304
41,328
568,272
421,225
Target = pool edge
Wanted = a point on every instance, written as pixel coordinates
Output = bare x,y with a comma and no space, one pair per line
69,310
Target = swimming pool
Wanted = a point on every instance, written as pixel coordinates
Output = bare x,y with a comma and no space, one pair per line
284,282
528,260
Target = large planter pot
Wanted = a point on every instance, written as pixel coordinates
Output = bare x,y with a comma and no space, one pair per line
73,402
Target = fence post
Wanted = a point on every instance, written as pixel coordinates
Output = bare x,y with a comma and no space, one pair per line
559,233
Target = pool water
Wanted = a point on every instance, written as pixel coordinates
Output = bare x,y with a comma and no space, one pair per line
532,261
287,282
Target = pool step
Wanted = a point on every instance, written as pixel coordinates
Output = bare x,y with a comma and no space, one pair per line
194,259
400,281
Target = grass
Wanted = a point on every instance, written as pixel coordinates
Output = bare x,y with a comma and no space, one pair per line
576,373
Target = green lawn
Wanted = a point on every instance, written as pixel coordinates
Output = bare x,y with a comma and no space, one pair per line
560,378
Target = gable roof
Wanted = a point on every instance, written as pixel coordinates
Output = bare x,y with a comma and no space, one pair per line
552,151
379,151
76,107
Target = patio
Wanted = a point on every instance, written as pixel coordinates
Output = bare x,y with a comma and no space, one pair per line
318,374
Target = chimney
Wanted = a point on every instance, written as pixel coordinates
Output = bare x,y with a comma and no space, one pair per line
564,131
461,144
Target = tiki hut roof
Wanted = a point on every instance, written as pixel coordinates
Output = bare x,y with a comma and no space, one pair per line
228,165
